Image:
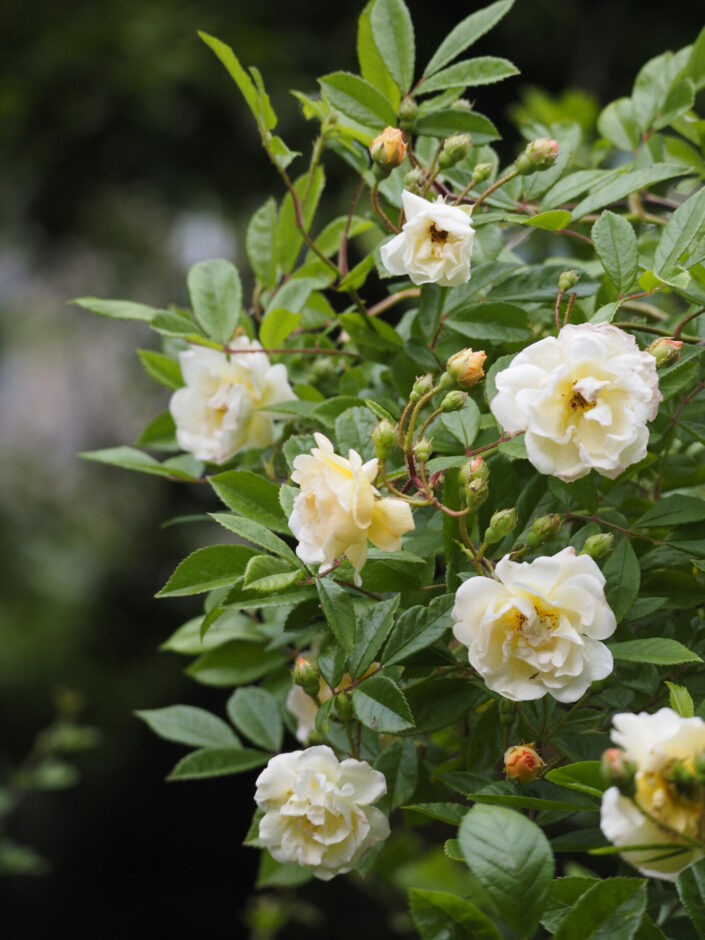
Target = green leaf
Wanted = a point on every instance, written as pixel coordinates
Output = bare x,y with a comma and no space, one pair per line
289,238
418,628
276,326
680,98
217,762
616,123
186,724
117,309
207,568
463,424
257,102
695,66
237,663
583,777
252,496
371,631
691,890
438,915
682,228
552,220
257,534
380,704
449,121
451,813
353,431
399,764
273,874
606,313
436,703
176,322
216,297
357,99
255,713
616,247
393,33
511,858
492,796
267,574
610,910
680,700
338,609
657,650
159,433
230,625
261,244
466,33
484,70
164,369
672,511
131,459
623,579
494,322
372,65
625,183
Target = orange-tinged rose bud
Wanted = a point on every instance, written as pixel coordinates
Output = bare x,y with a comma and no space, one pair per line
388,149
539,155
466,367
665,351
522,763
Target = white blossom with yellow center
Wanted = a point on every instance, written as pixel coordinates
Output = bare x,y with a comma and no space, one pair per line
537,628
219,411
434,245
338,509
583,398
317,810
653,742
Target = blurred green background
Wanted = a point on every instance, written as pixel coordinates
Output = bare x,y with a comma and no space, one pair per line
127,156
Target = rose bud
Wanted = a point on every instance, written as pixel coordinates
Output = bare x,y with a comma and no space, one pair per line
501,524
455,149
307,675
619,772
665,351
481,172
522,763
408,112
388,149
422,386
466,367
597,546
568,279
384,437
423,450
539,155
543,530
453,401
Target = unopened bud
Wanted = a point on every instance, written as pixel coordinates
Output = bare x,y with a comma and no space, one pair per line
522,763
619,772
388,149
474,477
455,149
568,279
473,470
413,181
453,401
408,112
384,437
507,712
462,104
502,523
597,546
665,351
465,367
344,707
481,172
423,450
543,530
307,675
422,386
539,155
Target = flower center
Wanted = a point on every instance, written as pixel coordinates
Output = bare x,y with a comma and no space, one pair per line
578,403
676,806
438,236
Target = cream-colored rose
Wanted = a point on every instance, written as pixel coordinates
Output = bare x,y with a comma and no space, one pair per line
583,398
538,627
653,743
434,245
218,411
338,509
318,812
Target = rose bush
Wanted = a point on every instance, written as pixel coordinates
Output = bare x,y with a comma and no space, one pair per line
477,502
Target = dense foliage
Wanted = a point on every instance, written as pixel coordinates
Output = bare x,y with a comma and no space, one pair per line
439,554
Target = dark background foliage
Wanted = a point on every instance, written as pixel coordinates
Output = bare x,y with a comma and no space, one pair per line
126,156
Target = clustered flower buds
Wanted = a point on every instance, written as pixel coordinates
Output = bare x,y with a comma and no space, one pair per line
665,351
388,150
540,154
465,367
522,763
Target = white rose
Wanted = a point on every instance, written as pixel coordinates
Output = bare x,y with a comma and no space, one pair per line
583,398
434,245
537,628
317,810
653,742
338,509
217,411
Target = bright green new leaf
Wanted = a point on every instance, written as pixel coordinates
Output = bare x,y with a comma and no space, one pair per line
357,99
276,326
372,65
132,459
484,70
216,297
680,700
552,220
255,713
616,247
466,33
217,762
511,858
256,100
117,309
257,534
393,34
616,123
583,777
686,224
261,243
252,496
186,724
654,649
207,568
163,369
